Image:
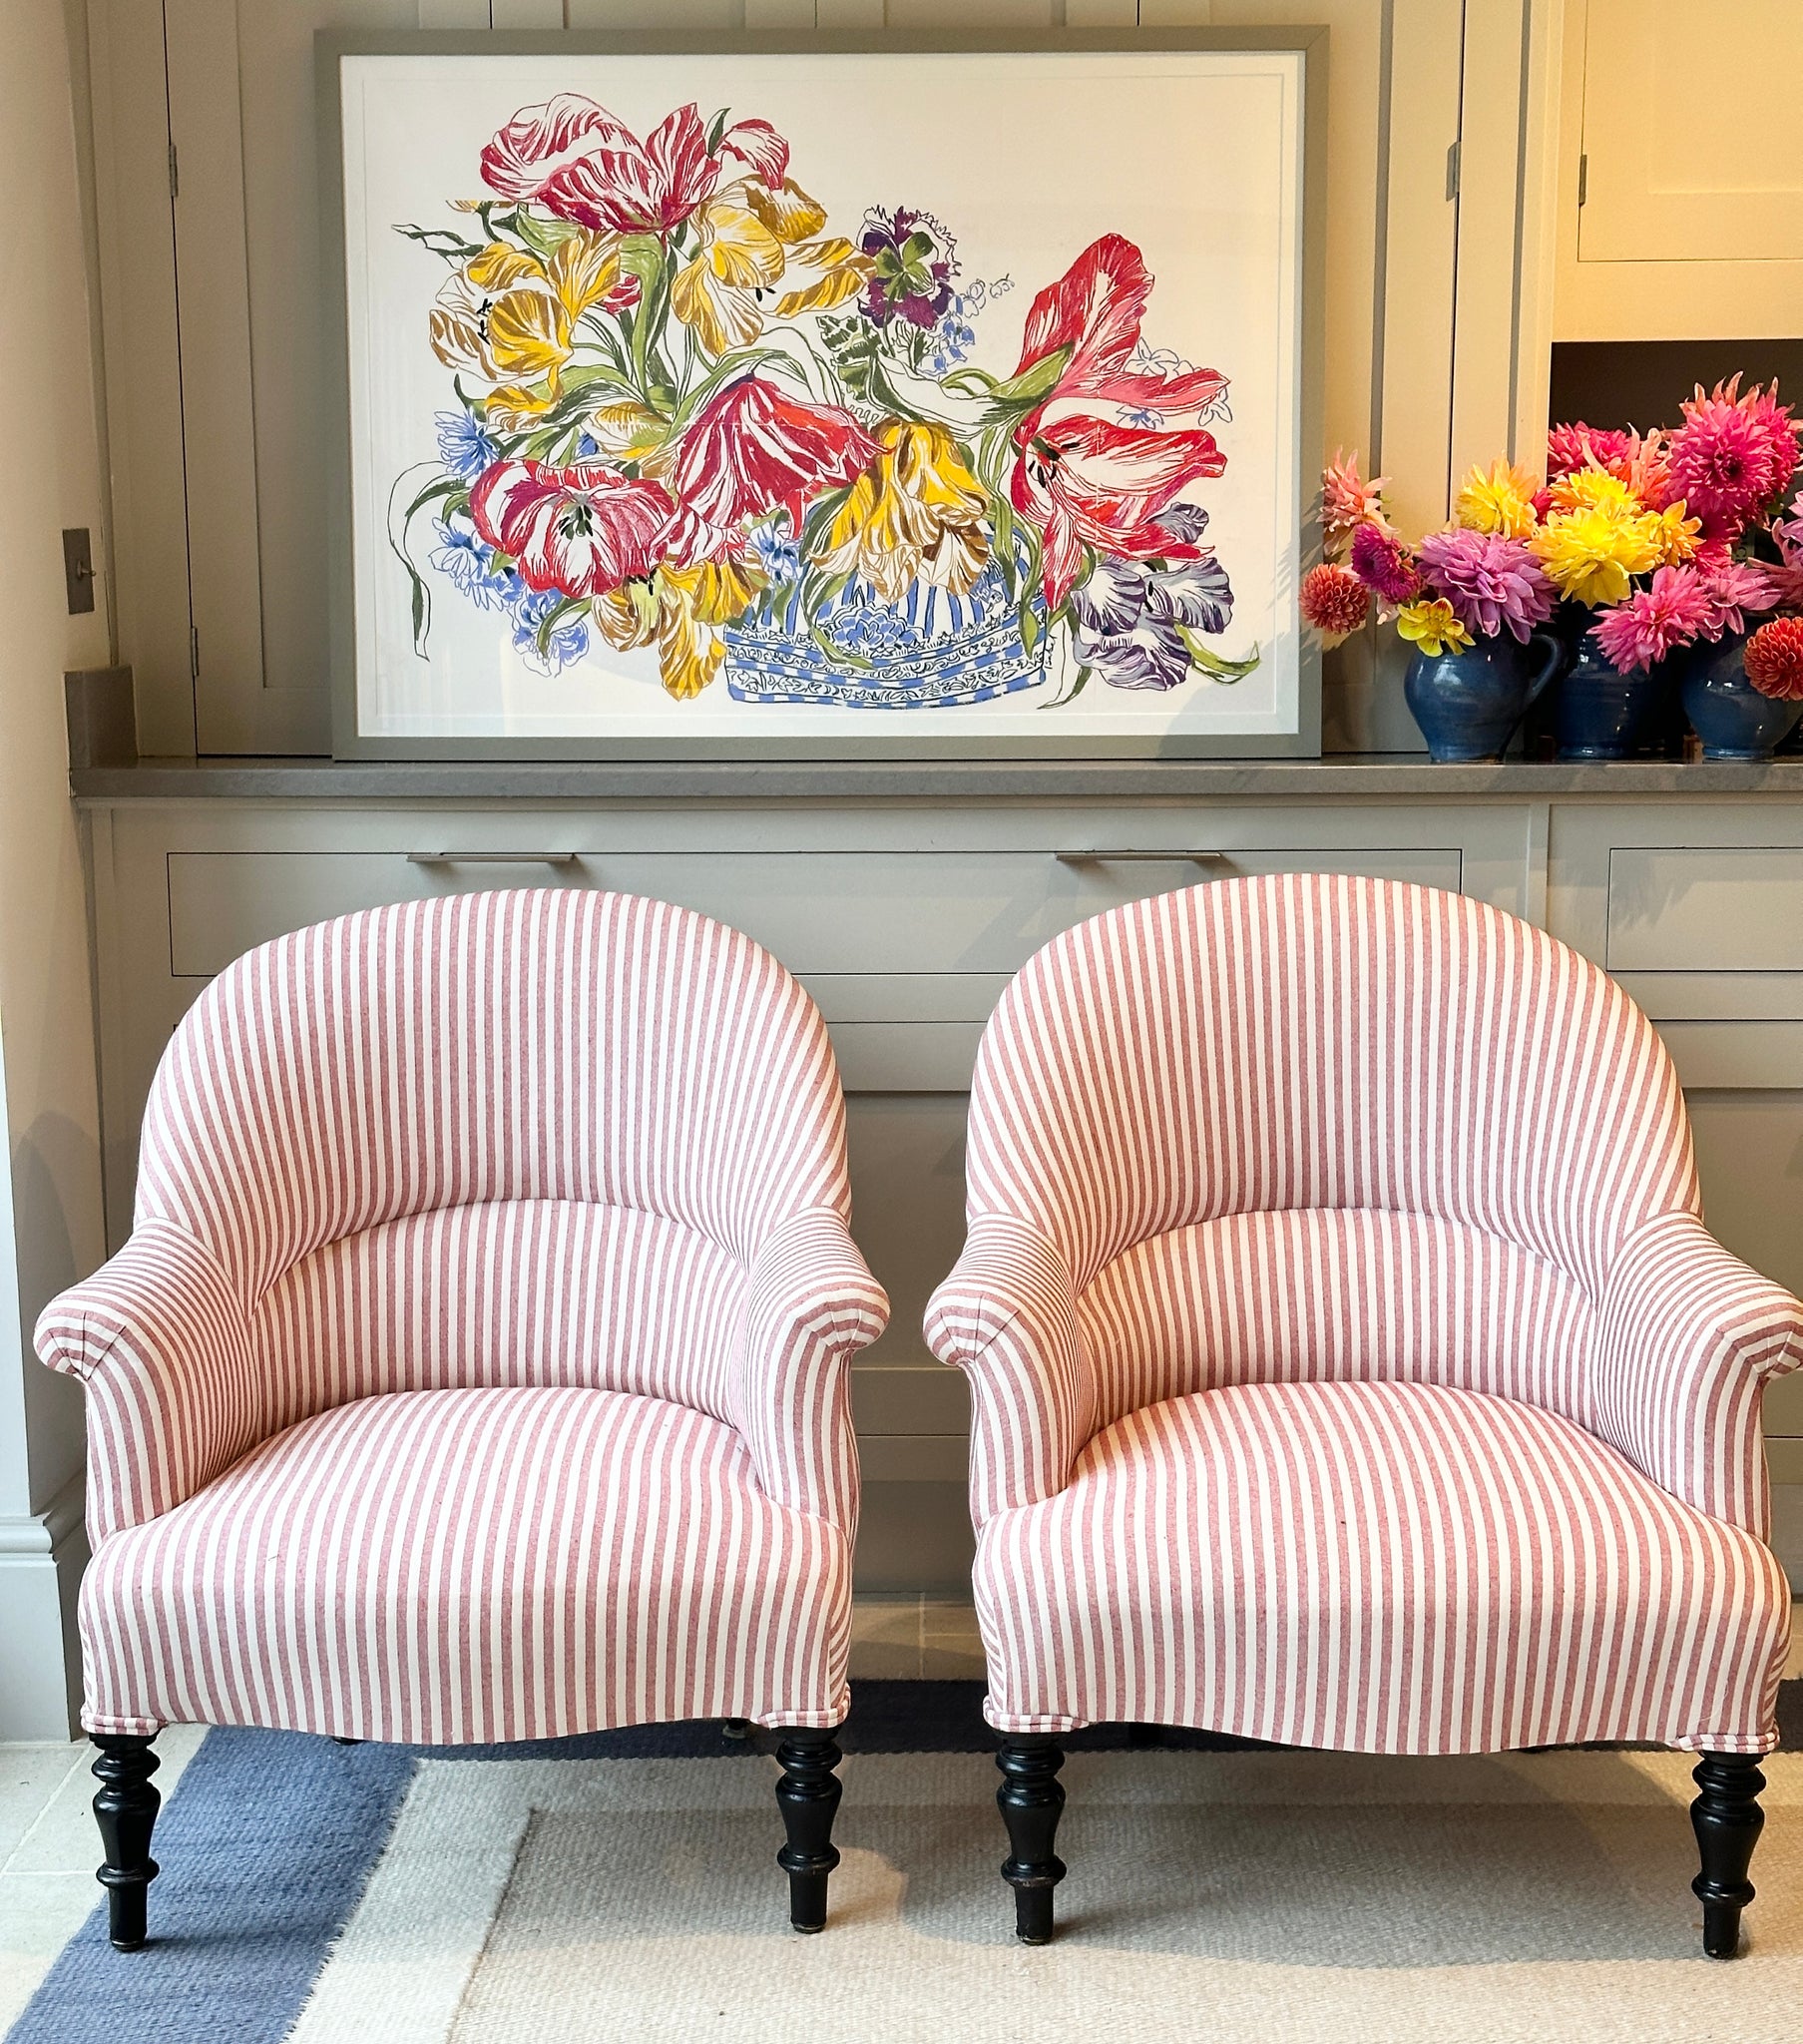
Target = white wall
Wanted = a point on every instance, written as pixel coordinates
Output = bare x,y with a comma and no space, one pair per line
50,1119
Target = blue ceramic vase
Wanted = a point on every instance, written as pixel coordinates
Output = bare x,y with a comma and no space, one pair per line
1733,719
1469,704
1603,712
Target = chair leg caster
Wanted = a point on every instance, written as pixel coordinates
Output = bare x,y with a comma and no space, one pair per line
807,1794
1727,1820
1030,1799
126,1809
735,1728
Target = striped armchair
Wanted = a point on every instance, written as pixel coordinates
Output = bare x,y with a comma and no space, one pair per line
476,1369
1350,1365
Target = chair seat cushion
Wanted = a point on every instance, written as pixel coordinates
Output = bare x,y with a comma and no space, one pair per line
1379,1567
463,1566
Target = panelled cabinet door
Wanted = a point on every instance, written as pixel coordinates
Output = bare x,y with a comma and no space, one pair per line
1683,196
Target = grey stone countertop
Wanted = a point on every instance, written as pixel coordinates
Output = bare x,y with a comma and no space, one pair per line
1338,775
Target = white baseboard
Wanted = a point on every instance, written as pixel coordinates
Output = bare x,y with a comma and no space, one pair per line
41,1561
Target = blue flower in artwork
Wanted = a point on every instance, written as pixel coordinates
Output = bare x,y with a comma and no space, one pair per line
463,447
777,552
568,639
467,562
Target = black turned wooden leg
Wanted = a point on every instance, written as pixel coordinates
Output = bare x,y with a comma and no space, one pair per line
126,1810
1727,1820
808,1795
1032,1800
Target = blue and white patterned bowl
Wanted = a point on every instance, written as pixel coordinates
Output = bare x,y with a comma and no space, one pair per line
933,651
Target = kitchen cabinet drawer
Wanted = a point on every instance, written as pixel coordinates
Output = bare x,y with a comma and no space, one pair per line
1723,908
858,913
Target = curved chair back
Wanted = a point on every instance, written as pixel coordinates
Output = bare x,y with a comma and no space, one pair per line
524,1137
1318,1041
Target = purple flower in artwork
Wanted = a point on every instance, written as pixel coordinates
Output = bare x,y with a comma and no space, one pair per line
1493,582
1128,618
916,261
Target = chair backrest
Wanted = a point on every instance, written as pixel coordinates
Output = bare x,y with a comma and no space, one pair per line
467,1128
1317,1041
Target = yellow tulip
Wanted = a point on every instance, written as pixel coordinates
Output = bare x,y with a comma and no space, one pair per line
506,319
917,514
749,236
679,611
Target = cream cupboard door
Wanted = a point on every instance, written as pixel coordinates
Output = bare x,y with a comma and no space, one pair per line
1679,140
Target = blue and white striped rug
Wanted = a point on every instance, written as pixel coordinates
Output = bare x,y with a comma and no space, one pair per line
623,1887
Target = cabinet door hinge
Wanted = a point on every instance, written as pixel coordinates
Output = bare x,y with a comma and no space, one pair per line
194,653
1452,171
1583,178
174,174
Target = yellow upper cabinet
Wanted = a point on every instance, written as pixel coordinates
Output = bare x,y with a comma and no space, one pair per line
1681,175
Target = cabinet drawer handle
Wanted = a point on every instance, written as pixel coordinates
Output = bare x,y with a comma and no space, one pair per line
1124,856
494,858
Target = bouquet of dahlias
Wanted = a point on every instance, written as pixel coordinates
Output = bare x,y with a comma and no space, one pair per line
1669,538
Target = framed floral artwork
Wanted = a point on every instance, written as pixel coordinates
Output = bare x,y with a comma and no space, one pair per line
912,400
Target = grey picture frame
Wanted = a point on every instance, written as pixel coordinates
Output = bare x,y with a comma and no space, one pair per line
859,743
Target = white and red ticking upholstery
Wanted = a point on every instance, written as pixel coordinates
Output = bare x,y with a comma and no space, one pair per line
476,1369
1350,1365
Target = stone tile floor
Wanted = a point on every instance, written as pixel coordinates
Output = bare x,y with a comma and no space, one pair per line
49,1849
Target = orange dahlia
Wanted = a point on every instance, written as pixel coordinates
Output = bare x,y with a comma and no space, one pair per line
1775,659
1334,601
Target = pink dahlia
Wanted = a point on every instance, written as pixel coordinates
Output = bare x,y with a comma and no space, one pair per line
1334,600
1646,625
1788,532
1581,446
1491,582
1347,502
1731,589
1382,563
1775,659
1732,456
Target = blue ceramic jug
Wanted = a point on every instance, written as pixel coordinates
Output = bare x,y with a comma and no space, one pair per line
1603,710
1469,704
1733,719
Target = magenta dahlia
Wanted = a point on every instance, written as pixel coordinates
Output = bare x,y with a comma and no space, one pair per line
1775,659
1493,582
1334,600
1579,446
1643,627
1732,456
1382,563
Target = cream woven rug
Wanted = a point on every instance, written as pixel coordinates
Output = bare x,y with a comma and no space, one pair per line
1255,1896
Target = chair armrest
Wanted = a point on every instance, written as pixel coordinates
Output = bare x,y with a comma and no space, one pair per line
1007,1318
161,1341
1687,1341
811,1305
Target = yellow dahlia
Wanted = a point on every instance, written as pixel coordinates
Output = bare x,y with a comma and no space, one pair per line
1498,499
1586,489
1592,553
1432,625
1675,535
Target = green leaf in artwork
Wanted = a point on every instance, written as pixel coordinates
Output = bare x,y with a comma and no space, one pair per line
542,236
1214,664
1035,382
